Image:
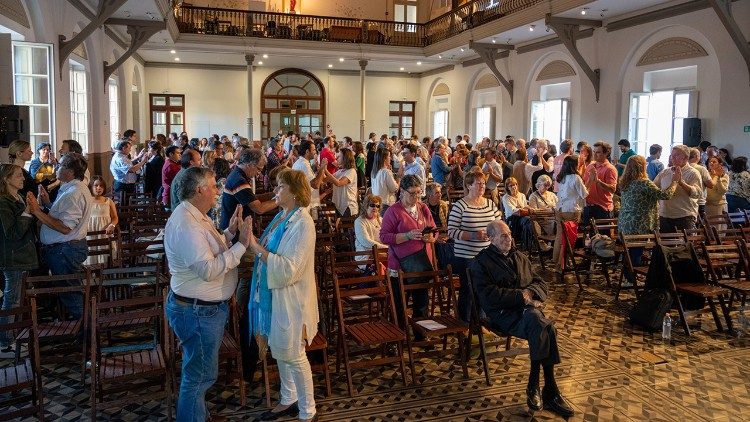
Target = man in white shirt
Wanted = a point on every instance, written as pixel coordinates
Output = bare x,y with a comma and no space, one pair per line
411,165
64,228
680,211
306,152
494,172
203,263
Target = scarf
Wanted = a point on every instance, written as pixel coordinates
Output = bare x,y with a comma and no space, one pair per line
259,305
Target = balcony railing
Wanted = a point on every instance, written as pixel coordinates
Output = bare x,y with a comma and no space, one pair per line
229,22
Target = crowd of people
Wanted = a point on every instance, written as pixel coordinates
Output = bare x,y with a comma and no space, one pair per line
210,186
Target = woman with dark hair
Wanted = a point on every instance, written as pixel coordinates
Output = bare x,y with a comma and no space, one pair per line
19,251
726,158
409,243
152,173
359,163
103,216
571,198
345,184
383,183
716,201
738,193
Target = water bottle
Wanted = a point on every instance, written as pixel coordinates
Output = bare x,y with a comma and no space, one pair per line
742,322
666,327
587,241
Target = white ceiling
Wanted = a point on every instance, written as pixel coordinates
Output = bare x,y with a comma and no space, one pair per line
197,50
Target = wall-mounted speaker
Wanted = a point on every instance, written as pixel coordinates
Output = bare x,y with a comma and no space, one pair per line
691,131
14,124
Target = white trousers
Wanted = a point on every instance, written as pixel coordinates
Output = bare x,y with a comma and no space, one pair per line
297,384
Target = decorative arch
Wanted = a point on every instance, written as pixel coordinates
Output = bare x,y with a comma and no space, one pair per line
485,82
292,99
441,89
14,10
555,69
671,49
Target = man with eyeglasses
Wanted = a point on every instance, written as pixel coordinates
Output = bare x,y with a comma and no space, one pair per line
411,165
512,296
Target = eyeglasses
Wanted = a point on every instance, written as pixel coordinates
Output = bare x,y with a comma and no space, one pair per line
374,205
415,194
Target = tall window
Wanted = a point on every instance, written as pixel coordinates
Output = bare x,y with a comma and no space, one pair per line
78,104
292,100
485,126
401,114
405,11
440,123
167,113
656,118
32,71
550,120
114,109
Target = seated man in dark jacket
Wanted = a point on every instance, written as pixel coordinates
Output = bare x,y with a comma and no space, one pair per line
511,295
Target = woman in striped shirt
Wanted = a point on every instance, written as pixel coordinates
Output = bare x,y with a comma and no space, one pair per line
467,222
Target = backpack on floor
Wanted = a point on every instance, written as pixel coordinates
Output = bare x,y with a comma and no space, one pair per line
650,308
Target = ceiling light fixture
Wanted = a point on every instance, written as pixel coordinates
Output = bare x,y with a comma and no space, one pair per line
419,63
583,11
531,28
462,49
341,59
494,41
177,59
173,51
440,56
402,68
260,62
330,65
265,56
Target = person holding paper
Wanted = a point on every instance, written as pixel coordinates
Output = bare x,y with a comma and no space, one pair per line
512,295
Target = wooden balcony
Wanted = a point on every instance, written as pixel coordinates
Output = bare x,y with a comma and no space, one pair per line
243,23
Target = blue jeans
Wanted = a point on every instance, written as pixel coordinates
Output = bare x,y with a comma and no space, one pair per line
200,330
11,299
737,203
67,258
464,294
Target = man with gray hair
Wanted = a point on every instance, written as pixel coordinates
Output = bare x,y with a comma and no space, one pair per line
203,264
512,296
239,188
707,181
680,211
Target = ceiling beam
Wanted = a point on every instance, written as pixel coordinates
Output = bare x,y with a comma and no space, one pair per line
140,32
111,34
567,30
106,9
489,53
723,9
551,42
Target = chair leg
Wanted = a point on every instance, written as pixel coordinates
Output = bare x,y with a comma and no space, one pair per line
349,385
483,355
400,346
410,352
462,355
725,309
266,382
681,312
326,372
715,314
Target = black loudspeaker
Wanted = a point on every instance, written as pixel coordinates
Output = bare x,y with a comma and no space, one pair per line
691,131
14,124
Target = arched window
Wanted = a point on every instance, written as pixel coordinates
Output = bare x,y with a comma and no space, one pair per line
292,100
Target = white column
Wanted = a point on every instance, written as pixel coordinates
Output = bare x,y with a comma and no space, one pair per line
249,58
362,66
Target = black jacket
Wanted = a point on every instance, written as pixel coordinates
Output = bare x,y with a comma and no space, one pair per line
499,280
18,248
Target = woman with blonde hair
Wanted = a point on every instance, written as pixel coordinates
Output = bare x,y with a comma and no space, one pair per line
367,225
345,184
640,200
283,298
19,152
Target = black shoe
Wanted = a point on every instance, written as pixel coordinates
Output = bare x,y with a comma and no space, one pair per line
534,399
270,415
556,403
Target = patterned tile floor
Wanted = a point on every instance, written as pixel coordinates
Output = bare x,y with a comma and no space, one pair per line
610,372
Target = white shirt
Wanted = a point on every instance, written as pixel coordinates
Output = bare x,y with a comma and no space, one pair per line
202,264
497,168
511,204
384,186
418,170
346,196
72,207
681,204
304,166
705,177
571,194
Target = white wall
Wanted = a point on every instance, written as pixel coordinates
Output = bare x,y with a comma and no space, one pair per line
222,107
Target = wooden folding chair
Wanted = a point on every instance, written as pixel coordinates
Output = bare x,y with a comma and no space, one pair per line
720,221
371,335
607,227
441,320
576,259
21,380
740,286
630,242
729,272
701,289
131,369
477,325
102,248
542,219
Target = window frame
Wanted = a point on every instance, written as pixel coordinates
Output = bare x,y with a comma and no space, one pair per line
565,114
166,108
401,113
405,25
79,130
640,144
37,137
445,123
113,90
490,123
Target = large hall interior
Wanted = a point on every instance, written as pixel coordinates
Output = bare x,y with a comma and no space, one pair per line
250,88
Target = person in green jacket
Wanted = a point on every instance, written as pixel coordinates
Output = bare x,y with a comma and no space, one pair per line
19,250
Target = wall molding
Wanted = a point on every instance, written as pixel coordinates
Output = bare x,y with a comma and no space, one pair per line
556,69
441,89
13,9
671,49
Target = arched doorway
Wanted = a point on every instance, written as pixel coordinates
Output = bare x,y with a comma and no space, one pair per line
292,99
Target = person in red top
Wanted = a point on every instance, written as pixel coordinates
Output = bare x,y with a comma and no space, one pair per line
329,153
169,171
601,181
